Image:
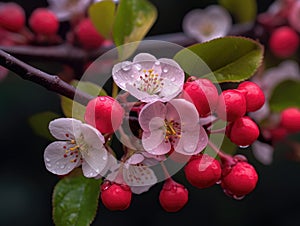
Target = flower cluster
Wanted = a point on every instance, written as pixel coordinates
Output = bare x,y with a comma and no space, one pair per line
174,120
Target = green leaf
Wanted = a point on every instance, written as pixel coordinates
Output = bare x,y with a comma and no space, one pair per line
243,11
102,15
133,20
75,200
71,108
285,94
228,59
40,122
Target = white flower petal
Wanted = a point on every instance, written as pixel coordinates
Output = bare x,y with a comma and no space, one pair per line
65,128
135,159
144,57
92,136
154,142
263,152
139,178
55,160
96,158
88,171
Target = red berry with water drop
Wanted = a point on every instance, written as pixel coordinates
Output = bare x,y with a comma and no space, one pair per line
203,171
240,180
231,105
290,119
203,93
12,17
44,22
104,113
115,196
243,131
173,196
254,96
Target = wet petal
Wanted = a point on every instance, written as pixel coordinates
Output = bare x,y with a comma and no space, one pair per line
56,161
187,112
92,136
152,142
152,114
96,158
188,142
140,178
144,57
65,128
135,159
88,171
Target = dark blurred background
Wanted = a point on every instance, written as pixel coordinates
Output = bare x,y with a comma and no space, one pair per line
26,186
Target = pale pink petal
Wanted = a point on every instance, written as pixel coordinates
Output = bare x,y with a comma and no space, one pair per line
92,136
124,73
65,128
207,120
187,112
188,143
135,159
144,57
263,152
88,171
202,141
154,142
96,158
56,161
150,114
139,177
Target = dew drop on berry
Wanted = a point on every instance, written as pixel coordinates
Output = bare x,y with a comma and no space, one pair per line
238,197
243,147
218,182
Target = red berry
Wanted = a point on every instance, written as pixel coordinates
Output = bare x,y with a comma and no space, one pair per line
104,113
278,134
203,171
284,42
44,22
243,131
173,196
240,180
255,97
204,95
290,119
115,196
231,105
87,35
12,17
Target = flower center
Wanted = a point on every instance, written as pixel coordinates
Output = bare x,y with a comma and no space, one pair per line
76,148
173,131
207,29
149,82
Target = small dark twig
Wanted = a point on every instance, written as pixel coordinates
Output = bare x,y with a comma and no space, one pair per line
50,82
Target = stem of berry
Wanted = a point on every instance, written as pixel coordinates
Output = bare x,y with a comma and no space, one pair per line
50,82
225,158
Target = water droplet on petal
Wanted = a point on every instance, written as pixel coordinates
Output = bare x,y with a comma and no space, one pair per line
246,146
157,63
49,165
104,158
173,79
62,166
132,76
47,160
238,197
165,70
126,66
138,67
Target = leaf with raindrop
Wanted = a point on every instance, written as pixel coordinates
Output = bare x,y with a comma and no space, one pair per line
75,200
133,20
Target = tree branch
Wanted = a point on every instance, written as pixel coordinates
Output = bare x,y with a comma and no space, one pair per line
50,82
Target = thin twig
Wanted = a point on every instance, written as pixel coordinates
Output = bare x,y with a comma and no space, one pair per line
50,82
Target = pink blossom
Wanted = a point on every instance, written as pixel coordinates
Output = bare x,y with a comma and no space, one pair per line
174,124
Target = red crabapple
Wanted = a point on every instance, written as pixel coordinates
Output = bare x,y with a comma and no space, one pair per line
104,113
203,171
12,17
290,119
173,196
115,196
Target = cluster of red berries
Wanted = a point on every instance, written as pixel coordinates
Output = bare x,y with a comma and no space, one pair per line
235,175
45,25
